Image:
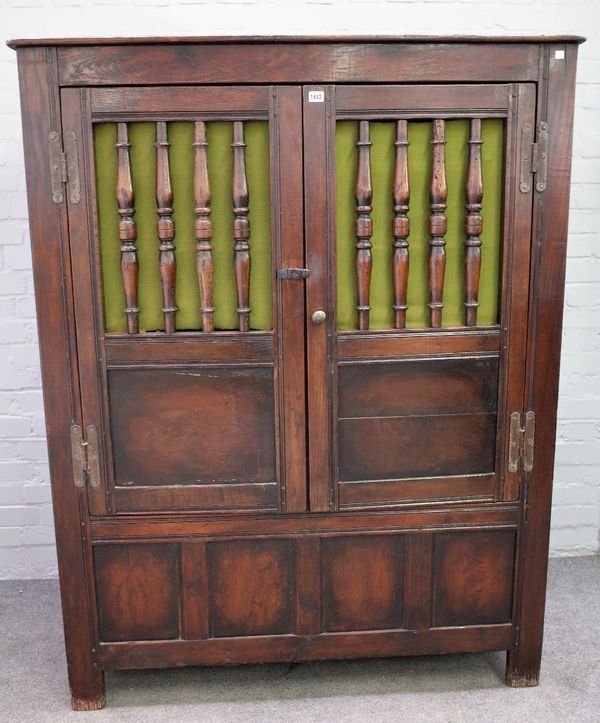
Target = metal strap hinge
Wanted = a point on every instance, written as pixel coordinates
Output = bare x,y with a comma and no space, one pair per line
64,167
534,157
521,442
84,451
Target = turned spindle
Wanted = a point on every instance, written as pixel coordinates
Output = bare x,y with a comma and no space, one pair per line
400,225
241,227
438,195
473,223
364,225
127,229
165,227
204,229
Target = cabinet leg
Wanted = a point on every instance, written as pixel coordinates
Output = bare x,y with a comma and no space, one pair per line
520,674
87,692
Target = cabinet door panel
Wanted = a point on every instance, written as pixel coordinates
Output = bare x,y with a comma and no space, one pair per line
422,267
187,332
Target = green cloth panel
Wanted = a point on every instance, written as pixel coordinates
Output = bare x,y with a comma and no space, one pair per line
181,159
419,160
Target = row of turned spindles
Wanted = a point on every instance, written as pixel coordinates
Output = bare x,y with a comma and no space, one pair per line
165,227
438,196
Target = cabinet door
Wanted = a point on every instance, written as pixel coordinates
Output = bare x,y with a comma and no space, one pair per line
418,235
190,345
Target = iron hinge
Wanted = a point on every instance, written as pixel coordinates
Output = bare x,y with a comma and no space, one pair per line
521,442
64,167
534,157
84,452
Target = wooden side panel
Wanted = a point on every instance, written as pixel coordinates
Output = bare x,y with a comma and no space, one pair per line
187,426
251,588
473,577
40,102
362,582
138,591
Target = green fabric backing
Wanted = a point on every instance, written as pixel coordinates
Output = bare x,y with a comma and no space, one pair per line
181,159
419,162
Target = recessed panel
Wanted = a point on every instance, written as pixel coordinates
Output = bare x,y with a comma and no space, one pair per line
421,446
362,584
191,426
463,385
251,588
473,577
137,587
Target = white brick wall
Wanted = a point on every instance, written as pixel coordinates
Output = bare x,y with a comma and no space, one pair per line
26,531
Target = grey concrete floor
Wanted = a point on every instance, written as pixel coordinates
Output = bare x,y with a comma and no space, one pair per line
33,678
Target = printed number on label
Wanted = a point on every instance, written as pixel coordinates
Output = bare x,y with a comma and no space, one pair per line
316,96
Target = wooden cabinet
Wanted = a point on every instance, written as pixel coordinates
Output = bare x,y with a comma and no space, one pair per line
299,308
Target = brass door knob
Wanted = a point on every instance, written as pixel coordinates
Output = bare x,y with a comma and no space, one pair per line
318,317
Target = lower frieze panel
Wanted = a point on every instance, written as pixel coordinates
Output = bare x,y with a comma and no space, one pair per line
302,596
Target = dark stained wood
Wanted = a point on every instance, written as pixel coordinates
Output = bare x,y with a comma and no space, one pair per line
364,225
515,305
418,446
222,423
473,223
353,346
473,577
219,419
127,229
308,585
394,493
204,231
214,497
400,225
555,106
251,588
224,348
138,591
311,62
194,591
246,39
470,516
40,103
421,101
466,385
438,194
263,649
319,134
418,595
177,102
241,227
362,582
289,296
165,226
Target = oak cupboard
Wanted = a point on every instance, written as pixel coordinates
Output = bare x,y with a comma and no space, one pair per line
299,308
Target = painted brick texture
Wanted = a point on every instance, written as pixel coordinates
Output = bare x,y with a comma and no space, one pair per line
26,525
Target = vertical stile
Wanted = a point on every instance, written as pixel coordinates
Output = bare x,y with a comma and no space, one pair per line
438,195
165,226
127,229
364,226
473,223
204,230
400,225
241,227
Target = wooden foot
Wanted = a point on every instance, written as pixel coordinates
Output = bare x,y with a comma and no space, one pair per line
96,703
520,677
